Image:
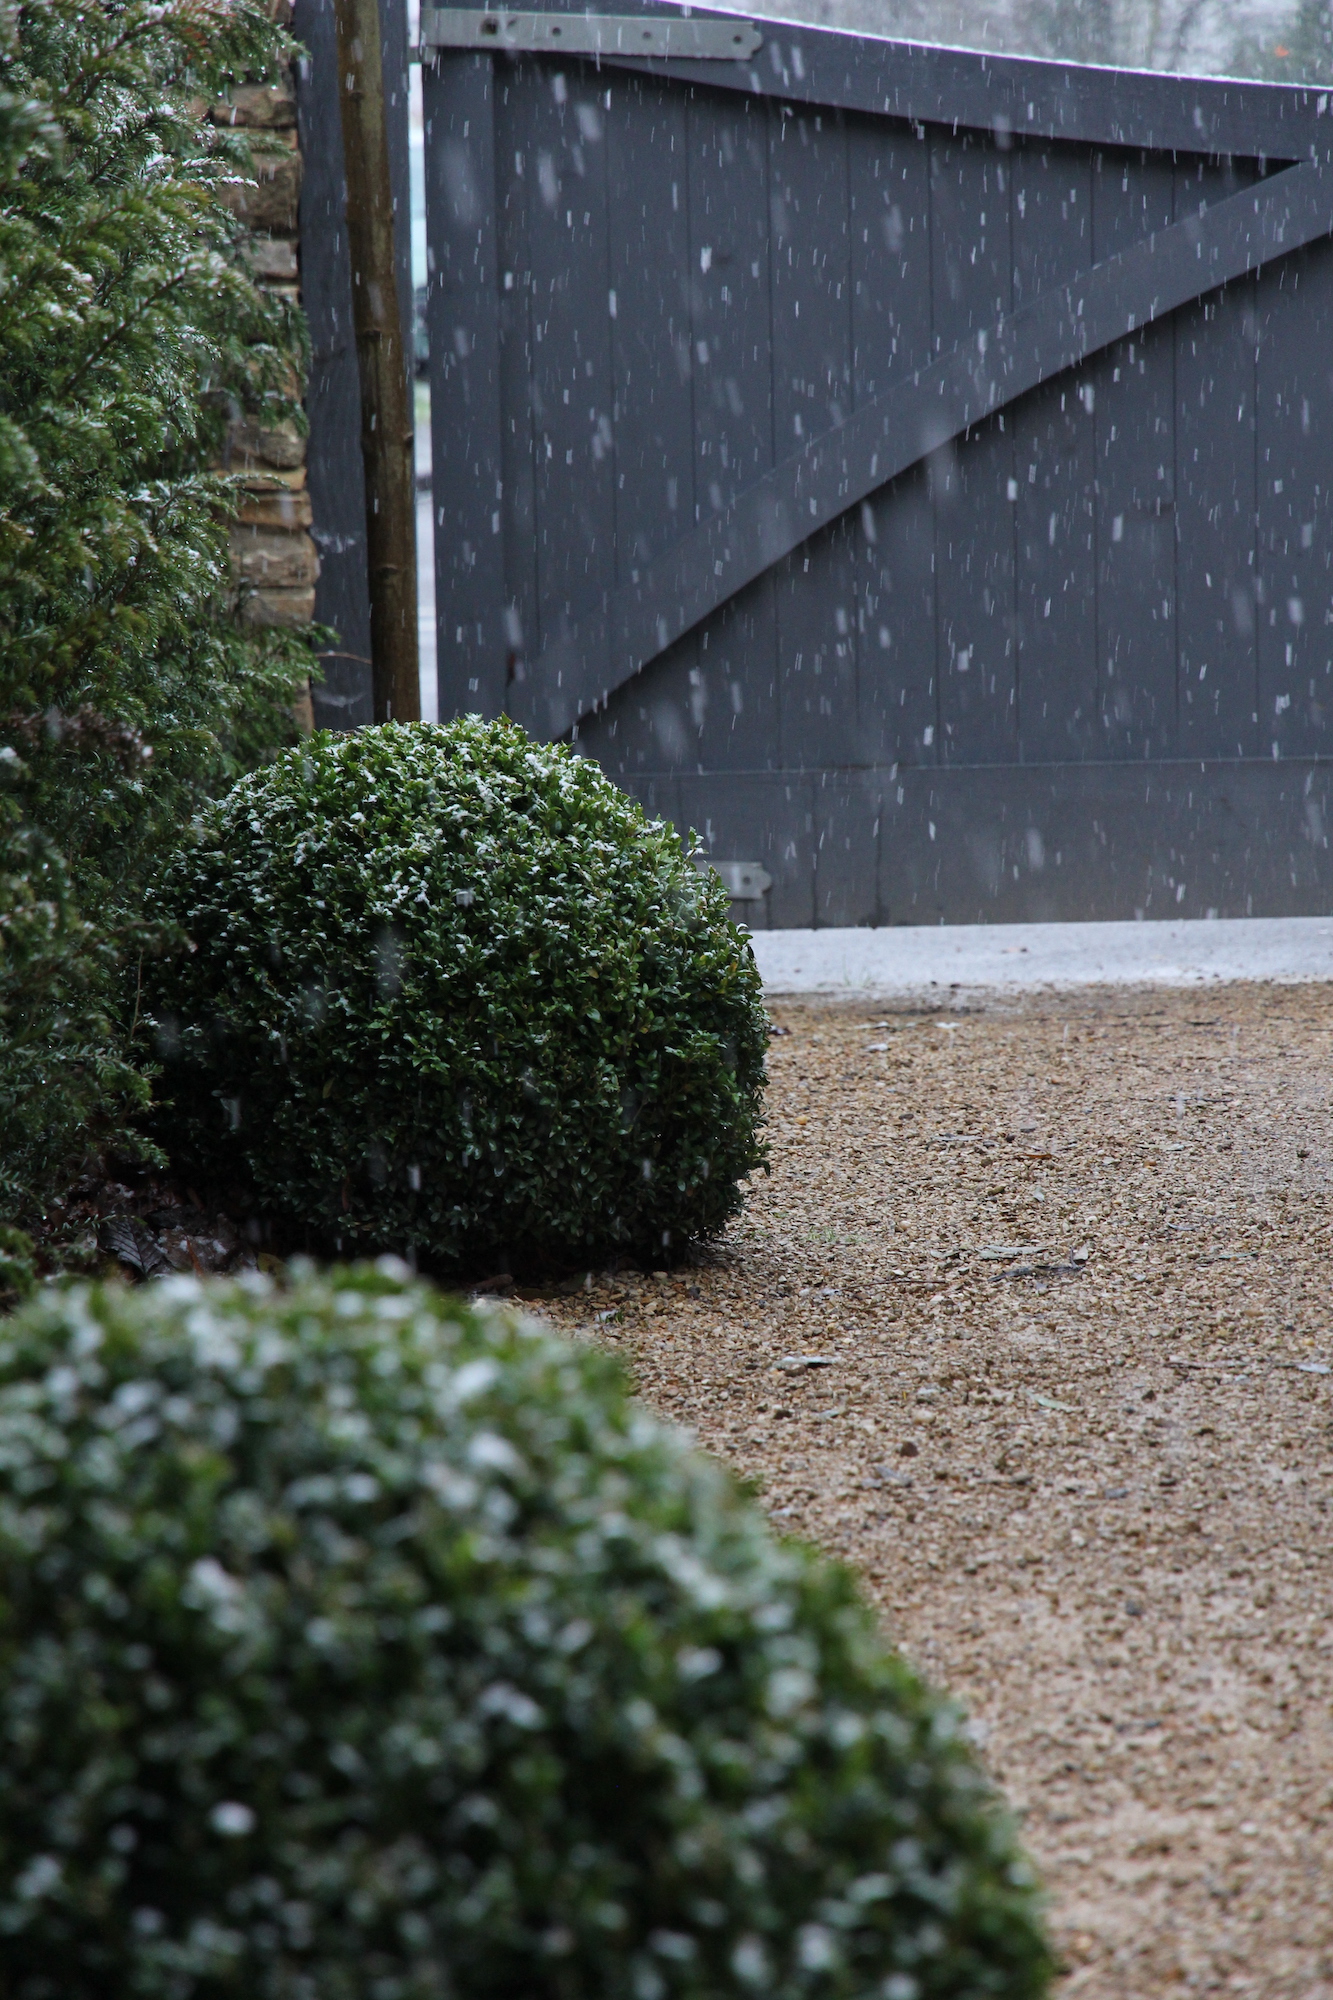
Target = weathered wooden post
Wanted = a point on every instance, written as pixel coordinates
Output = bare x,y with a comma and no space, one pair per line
386,411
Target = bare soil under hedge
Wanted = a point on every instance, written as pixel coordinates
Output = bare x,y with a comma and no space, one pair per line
1033,1324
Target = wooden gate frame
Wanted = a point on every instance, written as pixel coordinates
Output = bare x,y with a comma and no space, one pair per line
1006,97
856,841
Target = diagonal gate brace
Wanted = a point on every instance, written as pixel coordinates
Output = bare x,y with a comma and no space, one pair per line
608,646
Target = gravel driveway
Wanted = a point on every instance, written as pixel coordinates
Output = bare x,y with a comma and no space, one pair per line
1033,1324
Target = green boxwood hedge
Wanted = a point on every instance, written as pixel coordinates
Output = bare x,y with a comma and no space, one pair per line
355,1646
133,333
448,988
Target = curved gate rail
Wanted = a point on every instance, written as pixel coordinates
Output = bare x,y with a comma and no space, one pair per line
909,467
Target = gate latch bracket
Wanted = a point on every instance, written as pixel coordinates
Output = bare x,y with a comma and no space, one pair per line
744,881
586,34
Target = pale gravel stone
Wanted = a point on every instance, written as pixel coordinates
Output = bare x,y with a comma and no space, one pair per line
1122,1566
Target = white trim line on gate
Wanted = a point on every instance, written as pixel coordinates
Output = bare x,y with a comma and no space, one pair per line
943,962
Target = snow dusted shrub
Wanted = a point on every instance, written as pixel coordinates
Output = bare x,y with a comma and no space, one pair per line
448,988
359,1646
132,333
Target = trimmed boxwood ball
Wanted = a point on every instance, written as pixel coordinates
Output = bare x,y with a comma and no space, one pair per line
448,988
356,1646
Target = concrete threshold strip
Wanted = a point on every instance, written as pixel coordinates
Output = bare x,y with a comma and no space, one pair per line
944,963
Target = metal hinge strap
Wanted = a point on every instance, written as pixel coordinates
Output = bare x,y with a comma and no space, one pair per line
587,34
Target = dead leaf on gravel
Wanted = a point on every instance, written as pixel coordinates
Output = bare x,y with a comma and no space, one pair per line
131,1244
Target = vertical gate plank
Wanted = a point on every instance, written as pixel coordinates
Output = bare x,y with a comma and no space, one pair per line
976,662
711,702
971,286
760,817
1052,217
729,280
888,178
848,808
1295,454
708,703
811,266
650,328
731,686
971,248
1054,471
812,370
458,101
1136,548
1054,522
518,84
899,712
1215,525
732,381
816,596
1215,495
572,392
889,201
677,713
1134,388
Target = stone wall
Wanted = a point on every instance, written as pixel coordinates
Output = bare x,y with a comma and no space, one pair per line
274,553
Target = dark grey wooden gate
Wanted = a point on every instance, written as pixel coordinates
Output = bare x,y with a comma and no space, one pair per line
909,468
